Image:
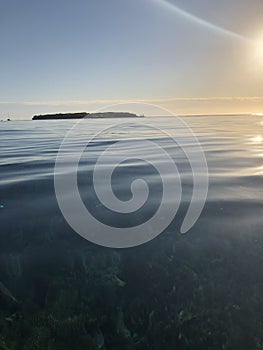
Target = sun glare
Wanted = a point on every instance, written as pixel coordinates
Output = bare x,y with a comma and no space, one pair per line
260,46
257,139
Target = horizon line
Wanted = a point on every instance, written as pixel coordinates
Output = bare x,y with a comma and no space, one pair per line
149,100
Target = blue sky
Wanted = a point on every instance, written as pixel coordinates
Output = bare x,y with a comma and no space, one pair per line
63,55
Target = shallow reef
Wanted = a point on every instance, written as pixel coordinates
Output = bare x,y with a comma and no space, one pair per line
190,292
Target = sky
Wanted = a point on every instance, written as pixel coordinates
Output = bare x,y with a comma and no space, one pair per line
190,57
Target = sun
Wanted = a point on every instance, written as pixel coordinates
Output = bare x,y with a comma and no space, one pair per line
257,53
259,45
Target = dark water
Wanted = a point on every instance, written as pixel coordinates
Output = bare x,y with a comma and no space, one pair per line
201,290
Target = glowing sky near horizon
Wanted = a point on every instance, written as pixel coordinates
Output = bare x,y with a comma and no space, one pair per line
190,57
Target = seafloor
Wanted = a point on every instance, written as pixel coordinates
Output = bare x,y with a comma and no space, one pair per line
177,292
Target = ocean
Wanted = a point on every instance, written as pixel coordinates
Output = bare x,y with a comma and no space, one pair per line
67,282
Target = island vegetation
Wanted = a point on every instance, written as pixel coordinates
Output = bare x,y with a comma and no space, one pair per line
81,115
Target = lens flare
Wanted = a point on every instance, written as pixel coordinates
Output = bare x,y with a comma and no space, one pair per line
195,19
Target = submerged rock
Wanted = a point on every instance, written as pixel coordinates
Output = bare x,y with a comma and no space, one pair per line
6,292
99,339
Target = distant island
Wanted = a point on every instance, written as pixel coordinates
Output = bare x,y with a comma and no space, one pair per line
82,115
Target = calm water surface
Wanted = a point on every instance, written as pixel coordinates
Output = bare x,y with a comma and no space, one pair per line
201,290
